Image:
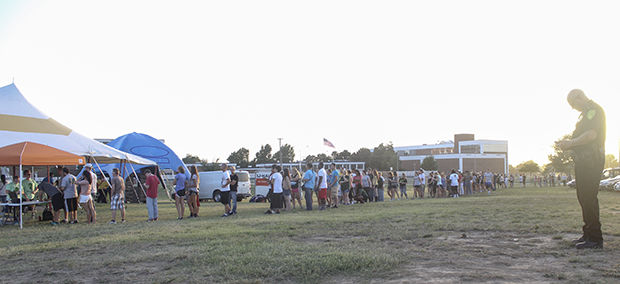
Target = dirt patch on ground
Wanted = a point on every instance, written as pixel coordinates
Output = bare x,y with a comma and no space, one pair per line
500,257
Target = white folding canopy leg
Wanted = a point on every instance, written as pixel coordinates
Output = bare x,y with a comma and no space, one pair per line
138,179
102,173
21,189
165,180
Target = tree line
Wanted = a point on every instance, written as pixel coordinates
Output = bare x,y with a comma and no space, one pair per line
382,157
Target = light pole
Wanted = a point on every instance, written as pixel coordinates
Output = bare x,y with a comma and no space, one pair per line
280,142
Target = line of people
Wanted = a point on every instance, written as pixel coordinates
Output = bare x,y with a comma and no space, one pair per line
333,187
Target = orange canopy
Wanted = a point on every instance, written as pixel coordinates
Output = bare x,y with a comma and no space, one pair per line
34,154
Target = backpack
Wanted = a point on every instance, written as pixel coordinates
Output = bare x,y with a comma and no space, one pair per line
47,215
258,198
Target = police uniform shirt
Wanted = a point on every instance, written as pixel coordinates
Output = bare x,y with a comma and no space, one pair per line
592,118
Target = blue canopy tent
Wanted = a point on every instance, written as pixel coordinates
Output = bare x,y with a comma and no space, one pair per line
147,147
144,145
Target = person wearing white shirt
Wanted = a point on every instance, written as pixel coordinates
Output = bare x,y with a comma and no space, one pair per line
225,190
454,184
420,183
322,186
276,190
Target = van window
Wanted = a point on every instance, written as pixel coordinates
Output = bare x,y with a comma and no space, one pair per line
243,177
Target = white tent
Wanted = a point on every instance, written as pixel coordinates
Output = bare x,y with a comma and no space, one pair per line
20,121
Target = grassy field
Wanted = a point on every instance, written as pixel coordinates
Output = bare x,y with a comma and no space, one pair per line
513,235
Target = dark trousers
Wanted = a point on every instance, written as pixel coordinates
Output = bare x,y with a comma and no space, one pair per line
370,192
587,177
308,197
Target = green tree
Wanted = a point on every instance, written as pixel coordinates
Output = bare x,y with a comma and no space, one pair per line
528,167
323,158
362,155
263,156
311,159
383,157
429,163
288,154
512,169
547,169
562,161
610,161
342,156
191,159
240,157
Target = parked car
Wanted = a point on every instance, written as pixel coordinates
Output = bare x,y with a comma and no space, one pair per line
572,184
609,183
617,186
210,185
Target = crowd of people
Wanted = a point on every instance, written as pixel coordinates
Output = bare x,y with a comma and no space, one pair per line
334,186
331,186
69,193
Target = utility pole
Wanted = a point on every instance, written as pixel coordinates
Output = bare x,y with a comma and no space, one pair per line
280,142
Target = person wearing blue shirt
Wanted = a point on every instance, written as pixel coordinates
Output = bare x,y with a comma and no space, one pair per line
308,179
179,194
334,186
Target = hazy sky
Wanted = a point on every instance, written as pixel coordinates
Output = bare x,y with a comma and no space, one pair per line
210,77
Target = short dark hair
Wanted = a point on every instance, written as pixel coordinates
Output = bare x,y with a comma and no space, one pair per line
309,165
26,172
115,170
278,168
320,165
65,170
147,172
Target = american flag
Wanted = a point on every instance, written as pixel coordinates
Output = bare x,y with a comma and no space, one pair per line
327,143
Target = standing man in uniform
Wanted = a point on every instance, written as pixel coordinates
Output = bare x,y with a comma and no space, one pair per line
588,146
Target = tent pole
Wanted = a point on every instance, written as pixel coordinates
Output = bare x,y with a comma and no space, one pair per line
133,188
21,190
139,183
102,173
164,181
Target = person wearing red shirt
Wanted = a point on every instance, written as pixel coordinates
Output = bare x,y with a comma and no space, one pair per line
152,184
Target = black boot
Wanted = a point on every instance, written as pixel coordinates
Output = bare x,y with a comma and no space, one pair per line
589,245
579,240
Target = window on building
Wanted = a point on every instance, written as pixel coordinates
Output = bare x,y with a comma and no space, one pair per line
470,149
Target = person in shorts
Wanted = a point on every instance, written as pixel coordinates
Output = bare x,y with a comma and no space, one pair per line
402,182
55,196
321,185
86,201
179,191
117,201
454,183
334,186
225,190
488,181
192,186
295,185
67,185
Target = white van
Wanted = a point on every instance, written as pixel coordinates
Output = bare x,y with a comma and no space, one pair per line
210,185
